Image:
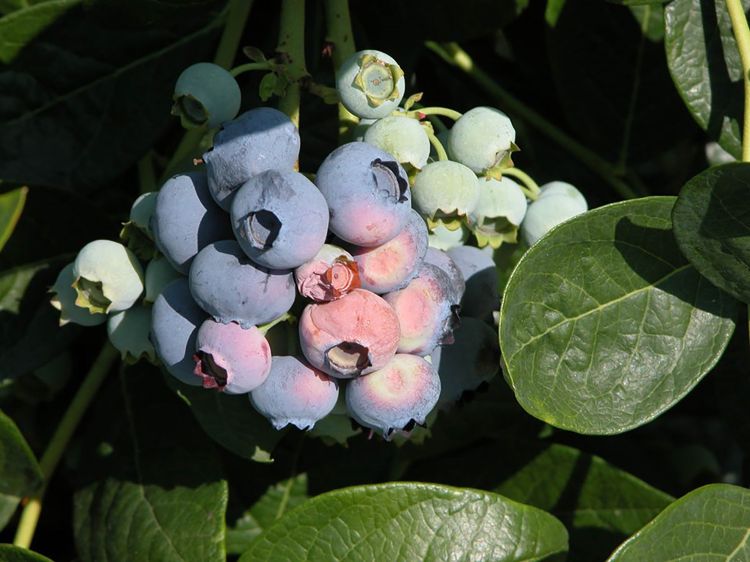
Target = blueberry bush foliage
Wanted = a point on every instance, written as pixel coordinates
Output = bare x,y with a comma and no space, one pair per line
607,415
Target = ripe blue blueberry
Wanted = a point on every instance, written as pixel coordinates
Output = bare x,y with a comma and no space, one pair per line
258,140
557,202
232,288
482,295
445,263
186,219
370,84
206,94
295,393
280,219
175,319
367,193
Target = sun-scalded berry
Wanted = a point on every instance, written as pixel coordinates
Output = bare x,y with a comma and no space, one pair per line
473,358
557,202
280,219
230,358
497,216
445,263
402,137
175,319
295,393
107,277
64,299
258,140
390,266
482,295
232,288
329,275
445,190
393,398
370,84
483,139
186,219
367,193
350,336
427,311
206,94
159,274
128,331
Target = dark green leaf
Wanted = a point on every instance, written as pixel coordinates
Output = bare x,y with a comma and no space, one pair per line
92,94
705,66
7,6
410,521
712,226
600,504
231,421
279,499
552,12
614,84
710,523
155,489
655,3
10,553
11,207
604,324
20,27
21,475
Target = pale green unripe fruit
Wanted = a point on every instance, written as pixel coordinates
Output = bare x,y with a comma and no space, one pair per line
501,208
370,84
445,190
128,332
444,239
402,137
107,277
206,95
64,299
159,274
483,139
142,209
557,202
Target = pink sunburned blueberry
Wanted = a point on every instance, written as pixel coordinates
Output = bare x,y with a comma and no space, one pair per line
427,311
390,266
230,358
351,336
328,276
295,393
403,392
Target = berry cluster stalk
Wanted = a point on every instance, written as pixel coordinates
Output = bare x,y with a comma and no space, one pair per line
59,442
291,48
339,27
456,56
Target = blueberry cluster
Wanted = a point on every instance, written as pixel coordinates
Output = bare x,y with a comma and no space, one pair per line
369,255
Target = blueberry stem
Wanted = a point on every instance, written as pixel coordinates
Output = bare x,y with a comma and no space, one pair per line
59,442
444,111
453,54
264,328
436,144
529,187
291,48
742,36
237,70
340,36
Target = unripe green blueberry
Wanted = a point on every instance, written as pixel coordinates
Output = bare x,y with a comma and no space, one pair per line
557,202
444,238
159,274
483,139
142,209
445,190
107,277
206,94
370,84
128,332
499,213
402,137
64,300
136,233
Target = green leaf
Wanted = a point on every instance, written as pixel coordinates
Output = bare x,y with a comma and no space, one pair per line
21,473
605,325
712,228
599,504
411,521
710,523
10,553
275,503
7,6
705,65
552,11
231,421
154,487
11,207
84,101
20,27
